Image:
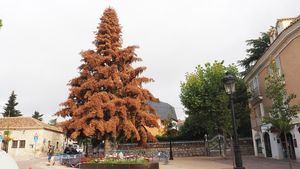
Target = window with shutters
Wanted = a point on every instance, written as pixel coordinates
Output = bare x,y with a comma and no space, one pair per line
14,144
253,87
277,63
22,144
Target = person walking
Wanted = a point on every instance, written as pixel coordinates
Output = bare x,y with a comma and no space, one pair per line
50,153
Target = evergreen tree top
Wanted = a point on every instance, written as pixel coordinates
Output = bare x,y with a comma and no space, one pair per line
10,107
109,32
37,115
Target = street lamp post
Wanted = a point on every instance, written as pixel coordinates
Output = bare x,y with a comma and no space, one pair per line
206,145
171,151
219,141
170,128
229,84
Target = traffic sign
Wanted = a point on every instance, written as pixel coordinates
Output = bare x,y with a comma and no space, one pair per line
1,137
36,137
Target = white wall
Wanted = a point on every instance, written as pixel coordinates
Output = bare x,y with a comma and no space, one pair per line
296,135
31,148
54,137
26,135
258,135
276,147
254,143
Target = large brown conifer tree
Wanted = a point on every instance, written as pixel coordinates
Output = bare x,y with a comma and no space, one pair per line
107,100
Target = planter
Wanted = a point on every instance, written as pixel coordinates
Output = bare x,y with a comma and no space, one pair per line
119,166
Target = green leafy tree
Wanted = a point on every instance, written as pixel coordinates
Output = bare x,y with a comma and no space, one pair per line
6,139
37,116
0,23
257,49
242,109
282,112
193,129
10,107
207,104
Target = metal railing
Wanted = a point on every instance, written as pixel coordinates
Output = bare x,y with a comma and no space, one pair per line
69,160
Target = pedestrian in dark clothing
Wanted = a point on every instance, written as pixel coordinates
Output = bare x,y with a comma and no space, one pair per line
50,152
74,151
67,150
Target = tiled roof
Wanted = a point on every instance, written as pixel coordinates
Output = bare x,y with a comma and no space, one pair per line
163,110
25,123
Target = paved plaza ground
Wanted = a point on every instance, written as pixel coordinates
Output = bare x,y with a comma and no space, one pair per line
187,163
37,163
250,162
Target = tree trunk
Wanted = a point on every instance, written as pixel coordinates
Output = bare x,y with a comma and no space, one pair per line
86,149
107,146
287,150
5,146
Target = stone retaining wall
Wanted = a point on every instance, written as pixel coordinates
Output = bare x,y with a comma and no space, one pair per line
186,148
246,146
180,149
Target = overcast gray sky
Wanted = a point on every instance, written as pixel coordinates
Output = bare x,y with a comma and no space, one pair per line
40,41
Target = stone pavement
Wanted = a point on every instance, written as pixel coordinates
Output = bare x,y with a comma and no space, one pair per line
38,163
250,162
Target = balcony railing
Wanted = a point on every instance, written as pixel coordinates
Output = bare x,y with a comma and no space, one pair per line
255,93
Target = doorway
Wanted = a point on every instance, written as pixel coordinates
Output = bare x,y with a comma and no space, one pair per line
258,146
291,145
267,145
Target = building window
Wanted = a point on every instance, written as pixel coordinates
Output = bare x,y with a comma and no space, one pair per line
14,144
22,144
277,63
258,146
253,86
